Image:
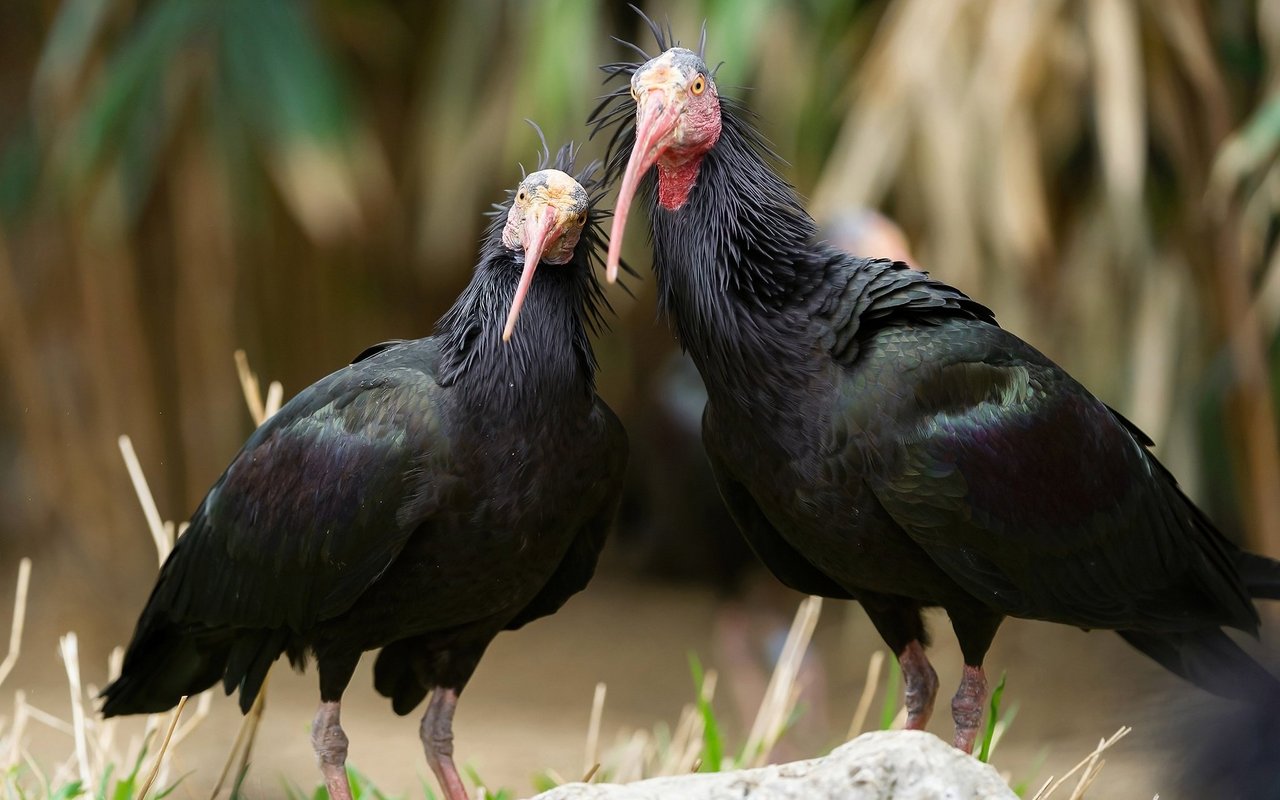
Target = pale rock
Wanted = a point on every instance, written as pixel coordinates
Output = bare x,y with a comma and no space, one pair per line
884,765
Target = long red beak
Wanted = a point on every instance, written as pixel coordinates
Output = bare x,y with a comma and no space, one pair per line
655,121
538,231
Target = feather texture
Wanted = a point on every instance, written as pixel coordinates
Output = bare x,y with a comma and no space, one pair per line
422,499
876,434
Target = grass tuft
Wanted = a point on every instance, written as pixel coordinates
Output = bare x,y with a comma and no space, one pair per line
889,708
712,758
993,719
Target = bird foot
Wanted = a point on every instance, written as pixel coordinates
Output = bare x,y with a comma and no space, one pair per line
330,743
920,684
437,742
967,705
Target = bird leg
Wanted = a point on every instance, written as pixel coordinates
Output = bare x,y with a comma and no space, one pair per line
966,707
920,685
330,744
437,741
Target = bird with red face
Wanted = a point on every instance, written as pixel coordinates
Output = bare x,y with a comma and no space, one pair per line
877,435
428,496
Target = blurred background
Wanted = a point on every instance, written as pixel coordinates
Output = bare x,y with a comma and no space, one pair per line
183,178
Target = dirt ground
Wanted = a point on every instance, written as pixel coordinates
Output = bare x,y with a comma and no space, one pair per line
527,708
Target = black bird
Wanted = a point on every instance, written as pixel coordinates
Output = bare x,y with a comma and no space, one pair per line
877,436
421,500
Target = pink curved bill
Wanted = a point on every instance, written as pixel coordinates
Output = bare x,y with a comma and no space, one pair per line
537,232
656,118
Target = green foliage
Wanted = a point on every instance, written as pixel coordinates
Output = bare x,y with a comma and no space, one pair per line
109,788
993,717
73,789
361,789
889,708
19,175
543,782
712,743
1023,788
258,76
490,794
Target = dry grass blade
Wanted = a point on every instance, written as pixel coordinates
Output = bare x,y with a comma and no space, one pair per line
686,742
48,720
259,409
874,667
19,619
252,721
776,709
593,732
275,396
164,749
249,385
69,647
17,729
243,744
1088,763
203,704
39,773
154,523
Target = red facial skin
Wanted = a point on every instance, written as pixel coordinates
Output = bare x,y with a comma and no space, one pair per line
674,129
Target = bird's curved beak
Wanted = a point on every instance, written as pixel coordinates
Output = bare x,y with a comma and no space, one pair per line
656,119
540,229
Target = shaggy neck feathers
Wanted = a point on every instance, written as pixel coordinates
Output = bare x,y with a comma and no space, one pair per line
549,357
735,272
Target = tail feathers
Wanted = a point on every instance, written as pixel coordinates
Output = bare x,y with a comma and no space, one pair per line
250,657
1209,659
1261,575
395,676
160,668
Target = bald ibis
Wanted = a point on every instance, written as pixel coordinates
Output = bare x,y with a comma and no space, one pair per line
877,436
421,500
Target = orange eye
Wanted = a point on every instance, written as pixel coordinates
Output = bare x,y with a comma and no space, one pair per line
699,85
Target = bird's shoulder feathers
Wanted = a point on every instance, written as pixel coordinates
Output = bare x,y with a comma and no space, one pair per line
318,502
1028,490
867,295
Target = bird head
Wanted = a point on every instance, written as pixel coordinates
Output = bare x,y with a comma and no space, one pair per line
545,221
677,122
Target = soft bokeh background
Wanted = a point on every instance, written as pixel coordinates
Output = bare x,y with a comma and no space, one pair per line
182,178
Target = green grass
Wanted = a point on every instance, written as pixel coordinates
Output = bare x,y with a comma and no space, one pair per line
712,742
994,719
108,788
889,708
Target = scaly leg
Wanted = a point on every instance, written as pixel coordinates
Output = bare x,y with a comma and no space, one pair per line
899,623
330,743
920,684
966,707
437,741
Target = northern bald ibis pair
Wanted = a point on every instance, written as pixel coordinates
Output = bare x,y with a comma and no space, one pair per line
874,433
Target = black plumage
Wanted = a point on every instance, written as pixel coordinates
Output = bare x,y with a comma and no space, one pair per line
421,500
877,436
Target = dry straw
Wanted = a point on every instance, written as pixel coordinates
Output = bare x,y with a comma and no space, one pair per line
94,747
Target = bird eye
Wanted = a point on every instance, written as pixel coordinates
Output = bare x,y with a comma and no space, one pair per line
520,195
699,85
